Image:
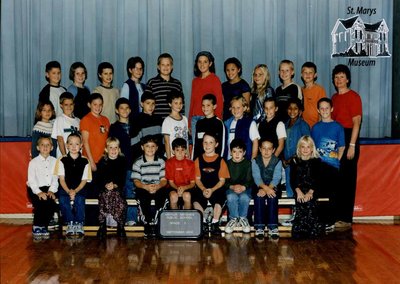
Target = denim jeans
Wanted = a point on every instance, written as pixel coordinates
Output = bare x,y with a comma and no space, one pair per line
193,122
289,190
238,204
76,213
131,213
265,213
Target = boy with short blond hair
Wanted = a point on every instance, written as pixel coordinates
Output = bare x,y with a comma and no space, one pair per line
312,93
287,90
65,124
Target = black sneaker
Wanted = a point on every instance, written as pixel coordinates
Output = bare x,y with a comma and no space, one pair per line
215,230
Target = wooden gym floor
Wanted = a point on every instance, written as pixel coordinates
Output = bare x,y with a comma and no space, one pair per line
369,253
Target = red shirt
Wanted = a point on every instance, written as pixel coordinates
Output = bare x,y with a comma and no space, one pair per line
180,172
202,86
345,107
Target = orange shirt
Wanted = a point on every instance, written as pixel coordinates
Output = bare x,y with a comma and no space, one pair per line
98,128
223,169
311,96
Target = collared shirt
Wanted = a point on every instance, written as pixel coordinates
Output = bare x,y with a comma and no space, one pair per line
40,173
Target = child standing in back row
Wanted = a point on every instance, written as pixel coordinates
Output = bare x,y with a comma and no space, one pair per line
205,82
105,74
260,90
52,91
287,90
234,86
312,93
81,92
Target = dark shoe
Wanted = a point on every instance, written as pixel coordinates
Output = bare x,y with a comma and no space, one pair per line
215,230
149,231
121,231
102,232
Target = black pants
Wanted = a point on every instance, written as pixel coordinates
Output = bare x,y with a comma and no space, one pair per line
348,179
43,209
329,177
145,199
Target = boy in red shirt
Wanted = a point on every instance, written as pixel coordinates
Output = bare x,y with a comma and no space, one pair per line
180,173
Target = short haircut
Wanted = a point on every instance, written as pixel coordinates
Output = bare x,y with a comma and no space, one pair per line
44,138
95,96
297,102
66,96
149,138
213,135
241,99
74,134
210,59
102,66
147,96
175,95
237,143
290,63
327,100
234,60
341,68
270,99
121,101
210,97
309,64
73,68
131,63
165,55
39,108
50,65
267,139
179,143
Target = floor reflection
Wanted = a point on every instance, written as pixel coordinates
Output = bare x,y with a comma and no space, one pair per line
234,258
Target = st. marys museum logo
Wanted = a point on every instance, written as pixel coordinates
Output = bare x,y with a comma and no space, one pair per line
353,38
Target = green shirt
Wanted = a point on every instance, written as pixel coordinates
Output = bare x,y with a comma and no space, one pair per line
240,173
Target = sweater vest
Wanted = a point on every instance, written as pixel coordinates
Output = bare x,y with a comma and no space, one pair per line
267,172
134,95
267,131
242,131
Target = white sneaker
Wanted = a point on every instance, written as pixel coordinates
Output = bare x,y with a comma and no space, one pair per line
245,225
260,233
274,233
230,227
130,223
70,229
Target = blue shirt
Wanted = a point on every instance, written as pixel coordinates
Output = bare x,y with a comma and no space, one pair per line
328,138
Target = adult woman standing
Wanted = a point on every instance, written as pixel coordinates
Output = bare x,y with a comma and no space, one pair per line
347,110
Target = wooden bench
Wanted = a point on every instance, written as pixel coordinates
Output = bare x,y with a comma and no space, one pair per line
282,202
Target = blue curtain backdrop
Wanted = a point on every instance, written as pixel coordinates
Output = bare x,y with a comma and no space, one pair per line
255,31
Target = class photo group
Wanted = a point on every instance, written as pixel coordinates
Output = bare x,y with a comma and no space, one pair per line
240,143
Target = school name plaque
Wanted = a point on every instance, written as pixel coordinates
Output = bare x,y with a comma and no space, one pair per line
180,224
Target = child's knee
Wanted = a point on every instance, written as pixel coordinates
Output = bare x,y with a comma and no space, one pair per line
186,196
173,197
